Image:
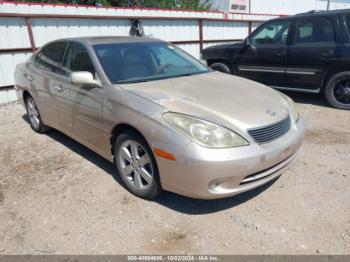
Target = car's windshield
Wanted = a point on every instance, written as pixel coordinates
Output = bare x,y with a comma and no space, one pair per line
146,61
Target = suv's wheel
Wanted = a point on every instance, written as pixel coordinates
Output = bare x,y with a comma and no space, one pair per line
137,166
337,90
34,116
221,67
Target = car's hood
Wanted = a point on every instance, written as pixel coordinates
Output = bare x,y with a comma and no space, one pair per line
223,51
220,98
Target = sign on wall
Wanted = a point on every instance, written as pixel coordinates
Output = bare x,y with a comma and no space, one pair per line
239,6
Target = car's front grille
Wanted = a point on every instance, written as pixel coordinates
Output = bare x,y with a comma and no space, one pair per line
271,132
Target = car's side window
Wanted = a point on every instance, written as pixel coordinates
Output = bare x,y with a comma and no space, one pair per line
274,33
77,59
50,56
314,30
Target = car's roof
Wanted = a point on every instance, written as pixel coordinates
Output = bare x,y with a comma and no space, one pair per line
324,12
93,40
311,14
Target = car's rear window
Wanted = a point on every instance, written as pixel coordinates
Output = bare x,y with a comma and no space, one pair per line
139,62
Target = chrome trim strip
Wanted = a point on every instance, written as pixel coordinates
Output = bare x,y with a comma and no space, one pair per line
262,69
313,91
301,71
297,71
263,174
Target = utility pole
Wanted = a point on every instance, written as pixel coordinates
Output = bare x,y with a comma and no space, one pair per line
328,3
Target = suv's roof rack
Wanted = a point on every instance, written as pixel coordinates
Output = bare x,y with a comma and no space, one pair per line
312,12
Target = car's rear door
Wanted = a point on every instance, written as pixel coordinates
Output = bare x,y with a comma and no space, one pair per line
313,50
80,106
41,77
263,59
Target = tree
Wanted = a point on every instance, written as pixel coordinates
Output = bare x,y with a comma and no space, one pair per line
172,4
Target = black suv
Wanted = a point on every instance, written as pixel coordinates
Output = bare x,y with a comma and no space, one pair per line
308,52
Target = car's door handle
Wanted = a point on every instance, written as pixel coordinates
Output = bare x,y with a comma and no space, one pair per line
281,52
29,77
327,53
59,88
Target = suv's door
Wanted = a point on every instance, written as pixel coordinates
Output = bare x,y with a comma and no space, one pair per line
313,49
80,106
41,77
264,57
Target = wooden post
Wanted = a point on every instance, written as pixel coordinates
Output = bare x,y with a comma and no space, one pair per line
201,44
249,27
30,33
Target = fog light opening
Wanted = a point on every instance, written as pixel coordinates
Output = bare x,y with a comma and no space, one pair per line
217,183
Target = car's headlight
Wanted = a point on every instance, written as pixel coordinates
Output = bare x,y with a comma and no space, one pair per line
203,132
294,113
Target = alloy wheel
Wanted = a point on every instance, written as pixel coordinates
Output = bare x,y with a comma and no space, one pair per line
33,113
136,165
341,92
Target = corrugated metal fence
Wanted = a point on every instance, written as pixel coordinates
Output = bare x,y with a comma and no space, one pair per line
24,27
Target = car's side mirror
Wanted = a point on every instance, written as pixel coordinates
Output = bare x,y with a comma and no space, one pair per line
83,78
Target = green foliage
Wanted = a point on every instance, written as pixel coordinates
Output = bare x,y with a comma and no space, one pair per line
173,4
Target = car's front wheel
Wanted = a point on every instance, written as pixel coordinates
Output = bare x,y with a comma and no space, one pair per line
221,67
36,122
337,90
137,166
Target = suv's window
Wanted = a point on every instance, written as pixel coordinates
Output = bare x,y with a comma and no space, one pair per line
347,18
271,34
77,59
315,30
50,56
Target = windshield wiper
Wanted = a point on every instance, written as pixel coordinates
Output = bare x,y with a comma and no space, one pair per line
159,78
134,81
189,74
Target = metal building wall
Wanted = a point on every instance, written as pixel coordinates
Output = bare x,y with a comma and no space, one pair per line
48,29
190,30
172,30
225,30
13,33
291,7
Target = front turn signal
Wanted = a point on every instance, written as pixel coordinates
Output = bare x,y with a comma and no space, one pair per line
164,154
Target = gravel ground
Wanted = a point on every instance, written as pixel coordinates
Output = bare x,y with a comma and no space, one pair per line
57,197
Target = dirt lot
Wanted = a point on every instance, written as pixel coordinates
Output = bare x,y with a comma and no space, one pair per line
57,197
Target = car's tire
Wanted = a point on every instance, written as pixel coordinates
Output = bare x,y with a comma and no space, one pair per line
137,166
221,67
35,120
337,90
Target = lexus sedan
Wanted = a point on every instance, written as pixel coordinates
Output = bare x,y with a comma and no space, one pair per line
165,120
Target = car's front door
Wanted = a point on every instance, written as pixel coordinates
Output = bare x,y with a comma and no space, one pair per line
80,106
313,49
263,59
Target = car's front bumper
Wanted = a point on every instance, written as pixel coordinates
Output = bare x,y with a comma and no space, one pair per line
208,173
